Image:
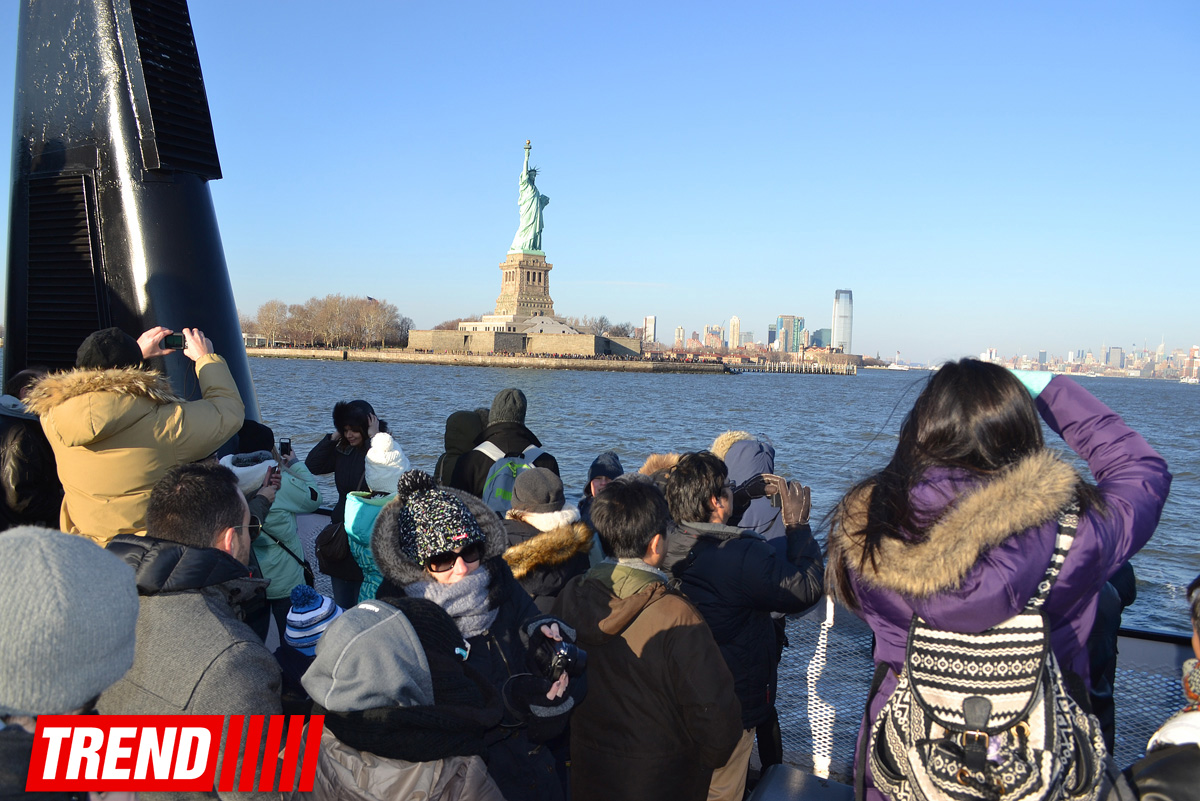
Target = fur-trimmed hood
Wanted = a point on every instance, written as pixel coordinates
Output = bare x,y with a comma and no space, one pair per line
61,396
724,442
1026,495
397,567
657,462
58,388
562,536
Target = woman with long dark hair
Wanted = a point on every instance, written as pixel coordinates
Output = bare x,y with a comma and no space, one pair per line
345,454
960,526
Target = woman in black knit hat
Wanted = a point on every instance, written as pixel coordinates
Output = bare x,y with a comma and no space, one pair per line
446,546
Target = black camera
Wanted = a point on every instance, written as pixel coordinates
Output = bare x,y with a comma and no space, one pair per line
567,658
554,657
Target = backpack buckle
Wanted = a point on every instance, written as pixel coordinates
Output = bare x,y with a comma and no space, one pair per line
975,736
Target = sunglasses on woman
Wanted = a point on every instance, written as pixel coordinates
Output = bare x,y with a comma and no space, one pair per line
440,563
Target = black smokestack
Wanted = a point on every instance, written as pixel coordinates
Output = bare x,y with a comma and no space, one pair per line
112,222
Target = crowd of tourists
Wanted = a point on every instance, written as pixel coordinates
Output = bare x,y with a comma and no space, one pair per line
486,639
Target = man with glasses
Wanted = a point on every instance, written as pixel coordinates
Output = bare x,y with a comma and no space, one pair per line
193,654
736,579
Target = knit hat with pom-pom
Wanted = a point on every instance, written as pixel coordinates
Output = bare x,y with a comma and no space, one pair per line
310,615
430,520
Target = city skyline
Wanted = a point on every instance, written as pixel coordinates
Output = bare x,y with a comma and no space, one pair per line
982,175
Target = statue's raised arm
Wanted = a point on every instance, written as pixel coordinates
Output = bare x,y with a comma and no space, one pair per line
531,202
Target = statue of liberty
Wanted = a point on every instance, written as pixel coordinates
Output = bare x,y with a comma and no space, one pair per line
532,202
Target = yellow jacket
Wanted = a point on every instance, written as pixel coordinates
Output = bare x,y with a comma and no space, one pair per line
116,432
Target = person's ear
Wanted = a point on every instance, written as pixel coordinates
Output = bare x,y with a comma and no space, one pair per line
227,541
656,548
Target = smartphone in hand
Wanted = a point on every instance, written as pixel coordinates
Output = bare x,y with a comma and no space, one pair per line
285,447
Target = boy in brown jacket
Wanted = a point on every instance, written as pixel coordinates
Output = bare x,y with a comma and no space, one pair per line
661,712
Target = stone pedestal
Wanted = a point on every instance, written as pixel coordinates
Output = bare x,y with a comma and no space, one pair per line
525,286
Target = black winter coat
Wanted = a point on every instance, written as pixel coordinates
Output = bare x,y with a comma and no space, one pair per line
470,472
348,465
544,561
33,494
736,579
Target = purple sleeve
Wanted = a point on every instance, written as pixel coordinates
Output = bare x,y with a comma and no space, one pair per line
1132,477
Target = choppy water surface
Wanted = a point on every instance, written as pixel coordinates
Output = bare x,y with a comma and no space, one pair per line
828,431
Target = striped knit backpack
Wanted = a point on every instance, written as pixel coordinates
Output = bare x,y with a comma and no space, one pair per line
987,717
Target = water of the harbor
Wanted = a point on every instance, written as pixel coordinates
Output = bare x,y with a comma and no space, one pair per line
828,431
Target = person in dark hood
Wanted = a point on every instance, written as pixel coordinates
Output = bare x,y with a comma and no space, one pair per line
605,468
462,429
506,430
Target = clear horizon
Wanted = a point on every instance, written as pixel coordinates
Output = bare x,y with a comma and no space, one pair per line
1016,176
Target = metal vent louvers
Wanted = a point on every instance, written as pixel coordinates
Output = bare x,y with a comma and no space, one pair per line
183,133
62,305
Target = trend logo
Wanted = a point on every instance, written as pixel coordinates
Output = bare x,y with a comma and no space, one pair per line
174,752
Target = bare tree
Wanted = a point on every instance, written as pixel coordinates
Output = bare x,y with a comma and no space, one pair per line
621,330
272,318
301,327
452,325
329,319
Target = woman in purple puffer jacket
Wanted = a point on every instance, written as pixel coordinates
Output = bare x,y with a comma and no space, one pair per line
960,525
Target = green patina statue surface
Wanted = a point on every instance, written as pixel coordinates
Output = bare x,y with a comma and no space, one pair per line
532,203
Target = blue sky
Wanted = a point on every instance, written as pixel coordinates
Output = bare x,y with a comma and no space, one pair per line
1022,175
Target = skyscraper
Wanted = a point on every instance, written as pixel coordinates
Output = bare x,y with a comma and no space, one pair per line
679,336
772,332
783,325
649,331
735,331
843,319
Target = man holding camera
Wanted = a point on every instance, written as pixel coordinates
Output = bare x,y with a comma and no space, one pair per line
737,579
116,427
661,712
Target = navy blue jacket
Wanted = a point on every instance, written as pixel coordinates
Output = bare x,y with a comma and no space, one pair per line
736,579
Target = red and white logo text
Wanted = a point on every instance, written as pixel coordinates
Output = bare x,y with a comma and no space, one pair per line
174,752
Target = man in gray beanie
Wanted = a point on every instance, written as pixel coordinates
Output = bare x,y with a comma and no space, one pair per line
548,543
70,611
505,438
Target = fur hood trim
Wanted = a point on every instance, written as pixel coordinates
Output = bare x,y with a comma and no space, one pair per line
1024,496
550,548
723,443
55,390
396,565
546,521
657,462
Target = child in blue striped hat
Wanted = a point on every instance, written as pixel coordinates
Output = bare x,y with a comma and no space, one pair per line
310,615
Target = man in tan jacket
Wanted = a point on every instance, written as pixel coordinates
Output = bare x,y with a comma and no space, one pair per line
116,428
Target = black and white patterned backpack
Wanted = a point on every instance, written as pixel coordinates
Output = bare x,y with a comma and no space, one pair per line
987,717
